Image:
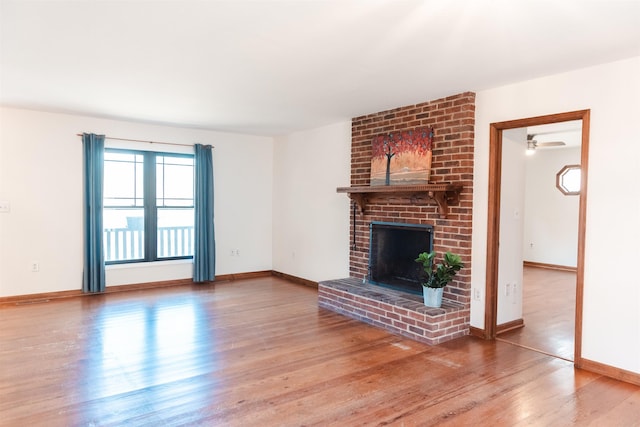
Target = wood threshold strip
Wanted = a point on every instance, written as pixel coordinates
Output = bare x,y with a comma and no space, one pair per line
537,350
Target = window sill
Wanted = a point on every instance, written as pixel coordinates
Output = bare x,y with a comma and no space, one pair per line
148,264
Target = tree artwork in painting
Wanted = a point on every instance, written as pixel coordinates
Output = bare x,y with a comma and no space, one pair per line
389,146
402,158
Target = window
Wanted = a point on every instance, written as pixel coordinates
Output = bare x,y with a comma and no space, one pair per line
148,206
568,180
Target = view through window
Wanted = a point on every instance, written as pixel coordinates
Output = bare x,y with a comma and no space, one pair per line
148,206
568,180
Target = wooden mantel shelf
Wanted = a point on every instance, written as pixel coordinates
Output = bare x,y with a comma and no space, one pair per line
443,194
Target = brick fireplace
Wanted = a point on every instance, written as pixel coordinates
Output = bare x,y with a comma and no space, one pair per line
453,119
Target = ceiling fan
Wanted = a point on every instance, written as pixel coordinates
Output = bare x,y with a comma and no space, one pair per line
532,144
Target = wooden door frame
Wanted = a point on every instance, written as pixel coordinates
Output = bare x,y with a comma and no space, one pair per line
493,225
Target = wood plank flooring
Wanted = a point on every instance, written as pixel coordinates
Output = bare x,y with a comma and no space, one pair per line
548,310
260,352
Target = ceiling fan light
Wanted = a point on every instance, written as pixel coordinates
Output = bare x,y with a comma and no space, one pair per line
531,147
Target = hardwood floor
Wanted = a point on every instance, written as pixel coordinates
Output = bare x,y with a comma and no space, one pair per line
260,352
548,310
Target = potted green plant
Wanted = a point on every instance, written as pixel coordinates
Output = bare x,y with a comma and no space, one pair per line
436,277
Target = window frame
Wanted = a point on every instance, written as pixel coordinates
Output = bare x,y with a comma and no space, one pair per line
149,205
560,181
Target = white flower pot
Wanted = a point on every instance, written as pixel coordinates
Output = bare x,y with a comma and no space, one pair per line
432,296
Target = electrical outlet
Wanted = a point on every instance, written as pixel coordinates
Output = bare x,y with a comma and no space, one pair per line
507,289
35,266
476,294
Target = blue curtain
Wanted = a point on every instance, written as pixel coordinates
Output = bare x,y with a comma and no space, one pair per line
204,257
93,154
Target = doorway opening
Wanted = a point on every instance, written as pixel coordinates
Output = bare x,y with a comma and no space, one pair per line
548,313
499,195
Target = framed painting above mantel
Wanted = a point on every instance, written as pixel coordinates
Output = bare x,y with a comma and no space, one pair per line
402,158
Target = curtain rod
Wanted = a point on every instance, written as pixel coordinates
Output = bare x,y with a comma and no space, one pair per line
141,140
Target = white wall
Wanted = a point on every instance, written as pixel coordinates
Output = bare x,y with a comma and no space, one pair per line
551,218
41,177
611,319
311,220
511,225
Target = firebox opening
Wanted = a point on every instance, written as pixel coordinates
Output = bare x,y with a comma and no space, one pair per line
393,248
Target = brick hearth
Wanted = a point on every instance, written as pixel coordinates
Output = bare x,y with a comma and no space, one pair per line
453,119
398,312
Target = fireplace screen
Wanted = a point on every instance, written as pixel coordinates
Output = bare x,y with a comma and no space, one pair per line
392,252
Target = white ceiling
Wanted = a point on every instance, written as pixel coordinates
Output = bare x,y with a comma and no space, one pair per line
272,67
568,132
